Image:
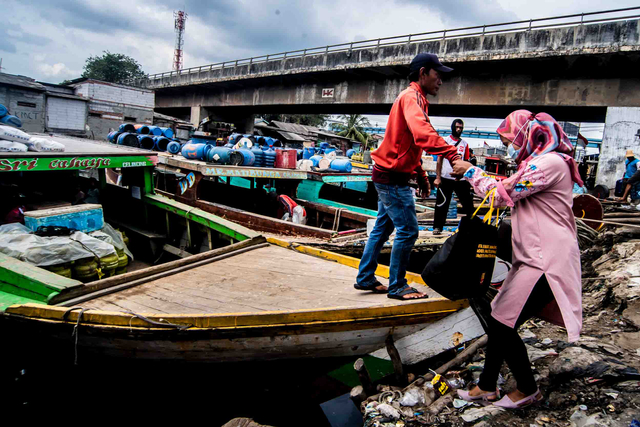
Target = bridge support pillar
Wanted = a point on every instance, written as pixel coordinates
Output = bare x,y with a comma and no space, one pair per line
621,132
197,114
245,124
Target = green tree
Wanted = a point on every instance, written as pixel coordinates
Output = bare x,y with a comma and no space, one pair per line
353,128
317,120
112,67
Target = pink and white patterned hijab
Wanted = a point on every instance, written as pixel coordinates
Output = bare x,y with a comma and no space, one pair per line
538,134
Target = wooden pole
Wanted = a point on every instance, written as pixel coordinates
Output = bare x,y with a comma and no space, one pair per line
396,360
365,378
612,223
357,395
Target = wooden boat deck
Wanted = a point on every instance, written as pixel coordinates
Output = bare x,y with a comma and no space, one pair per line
265,279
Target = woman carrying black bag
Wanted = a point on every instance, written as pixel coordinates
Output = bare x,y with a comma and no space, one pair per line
545,280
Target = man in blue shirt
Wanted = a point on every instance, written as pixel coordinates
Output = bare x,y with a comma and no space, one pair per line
630,164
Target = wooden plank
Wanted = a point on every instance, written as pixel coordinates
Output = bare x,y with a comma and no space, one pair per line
145,272
127,285
382,270
221,225
437,337
176,251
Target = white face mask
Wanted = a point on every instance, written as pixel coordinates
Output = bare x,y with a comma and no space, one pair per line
512,152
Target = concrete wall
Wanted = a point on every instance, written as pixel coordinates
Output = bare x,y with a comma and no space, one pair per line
32,110
66,114
620,134
111,104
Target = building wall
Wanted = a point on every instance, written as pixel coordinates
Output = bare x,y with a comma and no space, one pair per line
66,114
27,105
110,105
621,128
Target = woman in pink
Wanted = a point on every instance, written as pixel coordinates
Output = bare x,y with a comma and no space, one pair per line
545,280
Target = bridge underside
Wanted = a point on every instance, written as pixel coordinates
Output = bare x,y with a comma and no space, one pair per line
575,88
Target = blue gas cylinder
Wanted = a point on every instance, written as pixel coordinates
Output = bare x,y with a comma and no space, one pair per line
342,165
113,136
315,160
161,143
195,151
350,152
269,158
174,147
128,139
146,142
452,213
219,155
127,127
259,155
168,132
307,152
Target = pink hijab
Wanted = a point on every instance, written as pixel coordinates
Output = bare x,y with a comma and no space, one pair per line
538,134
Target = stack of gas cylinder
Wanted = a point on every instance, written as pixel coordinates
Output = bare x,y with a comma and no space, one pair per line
147,137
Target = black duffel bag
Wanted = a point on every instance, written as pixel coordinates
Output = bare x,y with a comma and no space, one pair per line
463,267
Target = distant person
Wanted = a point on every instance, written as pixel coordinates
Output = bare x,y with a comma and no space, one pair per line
409,133
631,182
16,214
447,184
472,158
545,280
93,193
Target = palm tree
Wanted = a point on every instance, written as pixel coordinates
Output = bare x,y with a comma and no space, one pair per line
353,128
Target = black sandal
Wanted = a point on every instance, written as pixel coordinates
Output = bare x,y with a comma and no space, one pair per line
407,291
372,288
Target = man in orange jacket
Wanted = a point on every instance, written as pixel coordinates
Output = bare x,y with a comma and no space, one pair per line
409,132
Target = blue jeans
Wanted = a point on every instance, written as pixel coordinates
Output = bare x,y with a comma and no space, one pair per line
396,209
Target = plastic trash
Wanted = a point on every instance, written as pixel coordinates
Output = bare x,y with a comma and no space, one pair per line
389,411
44,144
412,397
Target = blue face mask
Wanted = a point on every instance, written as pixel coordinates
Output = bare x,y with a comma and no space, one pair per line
512,152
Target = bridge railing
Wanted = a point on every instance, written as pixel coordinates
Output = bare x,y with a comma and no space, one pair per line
514,26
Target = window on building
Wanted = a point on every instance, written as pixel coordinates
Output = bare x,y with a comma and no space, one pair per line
26,104
95,114
130,119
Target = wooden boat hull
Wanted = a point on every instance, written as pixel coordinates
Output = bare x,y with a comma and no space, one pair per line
326,333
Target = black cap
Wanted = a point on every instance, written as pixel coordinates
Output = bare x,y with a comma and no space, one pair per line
428,60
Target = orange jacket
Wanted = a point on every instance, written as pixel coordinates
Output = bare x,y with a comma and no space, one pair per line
408,133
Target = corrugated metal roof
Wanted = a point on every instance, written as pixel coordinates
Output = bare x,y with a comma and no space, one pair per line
20,81
296,128
289,136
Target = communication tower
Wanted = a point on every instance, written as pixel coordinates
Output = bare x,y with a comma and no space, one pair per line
180,18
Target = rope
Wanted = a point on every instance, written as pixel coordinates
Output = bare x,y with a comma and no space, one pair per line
336,219
76,330
161,323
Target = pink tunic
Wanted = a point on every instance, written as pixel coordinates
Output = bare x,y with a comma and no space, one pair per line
544,240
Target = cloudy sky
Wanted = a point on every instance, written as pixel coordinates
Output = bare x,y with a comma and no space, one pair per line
50,40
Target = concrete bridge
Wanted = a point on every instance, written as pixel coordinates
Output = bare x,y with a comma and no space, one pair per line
574,67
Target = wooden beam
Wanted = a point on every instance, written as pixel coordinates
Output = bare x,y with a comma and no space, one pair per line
346,214
194,214
258,222
365,378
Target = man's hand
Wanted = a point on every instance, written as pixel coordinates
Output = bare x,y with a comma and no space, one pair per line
425,189
437,182
460,167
